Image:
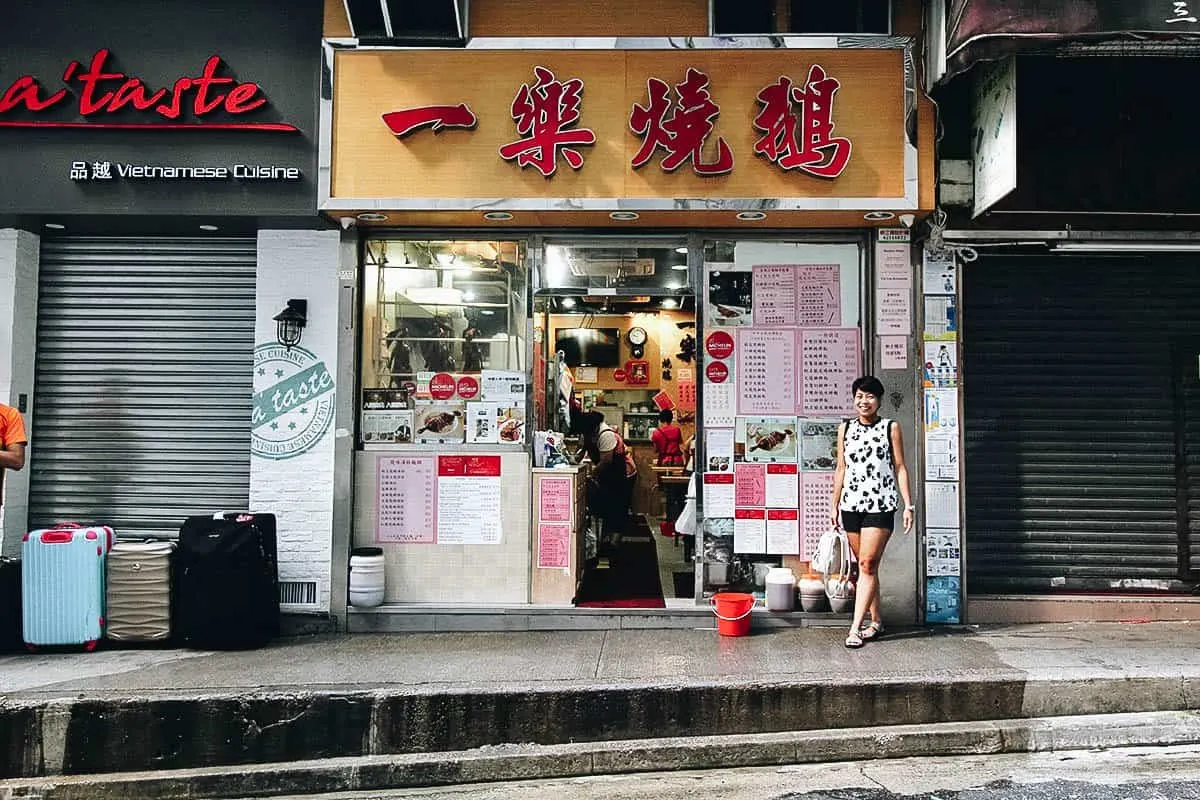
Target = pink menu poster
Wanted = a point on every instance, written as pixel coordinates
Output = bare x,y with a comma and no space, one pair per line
830,361
750,485
555,500
819,296
406,510
554,546
816,495
775,295
783,531
766,371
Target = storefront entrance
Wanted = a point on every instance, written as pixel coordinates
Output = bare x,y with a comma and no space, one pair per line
620,320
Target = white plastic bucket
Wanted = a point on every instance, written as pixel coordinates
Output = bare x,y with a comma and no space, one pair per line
781,589
366,576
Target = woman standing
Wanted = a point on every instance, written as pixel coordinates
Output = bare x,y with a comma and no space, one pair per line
667,439
871,478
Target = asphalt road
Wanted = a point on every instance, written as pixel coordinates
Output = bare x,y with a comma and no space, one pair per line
1144,773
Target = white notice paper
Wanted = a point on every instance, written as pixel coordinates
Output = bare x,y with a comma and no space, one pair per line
718,449
718,495
941,505
468,500
783,531
750,530
783,486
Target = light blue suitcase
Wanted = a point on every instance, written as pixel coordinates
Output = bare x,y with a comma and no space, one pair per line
62,585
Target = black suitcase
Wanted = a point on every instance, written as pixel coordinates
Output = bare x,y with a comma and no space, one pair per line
10,605
227,591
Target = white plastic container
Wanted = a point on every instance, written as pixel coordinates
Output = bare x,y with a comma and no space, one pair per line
812,594
366,576
781,589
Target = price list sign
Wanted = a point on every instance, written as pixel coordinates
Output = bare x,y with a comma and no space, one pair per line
766,371
819,296
816,495
775,296
406,504
830,361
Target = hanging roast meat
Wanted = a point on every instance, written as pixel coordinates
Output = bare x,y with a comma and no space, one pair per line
439,423
771,440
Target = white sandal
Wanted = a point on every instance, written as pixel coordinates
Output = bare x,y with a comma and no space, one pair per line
871,630
854,640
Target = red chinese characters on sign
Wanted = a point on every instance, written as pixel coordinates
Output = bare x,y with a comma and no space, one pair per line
802,141
680,126
407,120
545,114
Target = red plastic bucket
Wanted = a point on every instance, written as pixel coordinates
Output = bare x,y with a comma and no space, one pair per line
733,612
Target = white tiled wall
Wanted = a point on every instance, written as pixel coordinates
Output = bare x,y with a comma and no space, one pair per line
299,490
447,574
18,332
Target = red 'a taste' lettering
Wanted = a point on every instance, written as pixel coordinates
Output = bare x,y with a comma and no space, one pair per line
102,94
24,92
242,98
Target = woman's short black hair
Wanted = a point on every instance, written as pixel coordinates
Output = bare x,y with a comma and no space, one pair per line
869,384
590,422
666,415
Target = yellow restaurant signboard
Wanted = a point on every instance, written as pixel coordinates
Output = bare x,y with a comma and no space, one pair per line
693,129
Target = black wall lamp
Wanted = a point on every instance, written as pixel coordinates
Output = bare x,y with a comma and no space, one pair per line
290,323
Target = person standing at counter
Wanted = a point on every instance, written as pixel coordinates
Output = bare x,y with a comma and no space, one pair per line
871,477
610,491
667,439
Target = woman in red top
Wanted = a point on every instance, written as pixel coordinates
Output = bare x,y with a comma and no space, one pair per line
667,439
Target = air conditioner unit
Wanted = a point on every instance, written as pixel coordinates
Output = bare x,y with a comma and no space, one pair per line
610,264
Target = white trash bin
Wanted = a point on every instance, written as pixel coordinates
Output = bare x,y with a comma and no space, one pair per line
366,576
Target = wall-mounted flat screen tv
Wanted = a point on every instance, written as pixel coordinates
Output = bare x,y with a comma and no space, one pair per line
589,347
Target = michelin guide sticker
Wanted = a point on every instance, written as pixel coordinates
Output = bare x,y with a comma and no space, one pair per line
293,401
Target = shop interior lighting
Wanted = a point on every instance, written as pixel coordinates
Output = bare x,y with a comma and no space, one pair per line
1129,247
55,226
568,302
670,302
679,267
290,323
209,228
497,216
751,216
372,216
681,250
623,216
878,216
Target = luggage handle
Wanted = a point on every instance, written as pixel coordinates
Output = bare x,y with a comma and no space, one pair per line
238,516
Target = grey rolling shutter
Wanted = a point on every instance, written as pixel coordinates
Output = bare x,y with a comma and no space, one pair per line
1069,421
143,381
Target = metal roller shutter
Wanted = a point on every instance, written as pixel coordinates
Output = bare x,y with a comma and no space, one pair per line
1070,421
143,381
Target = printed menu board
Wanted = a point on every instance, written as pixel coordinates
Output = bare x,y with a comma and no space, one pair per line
406,510
766,364
775,296
818,296
829,365
468,499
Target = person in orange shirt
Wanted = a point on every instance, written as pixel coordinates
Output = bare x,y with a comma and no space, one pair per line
12,443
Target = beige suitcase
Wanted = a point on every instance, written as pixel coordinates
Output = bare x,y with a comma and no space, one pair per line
138,592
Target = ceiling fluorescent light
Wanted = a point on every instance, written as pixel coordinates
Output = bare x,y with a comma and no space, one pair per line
1128,247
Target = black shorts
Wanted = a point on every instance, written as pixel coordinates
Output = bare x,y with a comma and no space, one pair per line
855,521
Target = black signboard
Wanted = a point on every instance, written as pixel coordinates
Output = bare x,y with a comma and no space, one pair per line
170,107
984,29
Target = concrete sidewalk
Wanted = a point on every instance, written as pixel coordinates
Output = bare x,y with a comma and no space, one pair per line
428,695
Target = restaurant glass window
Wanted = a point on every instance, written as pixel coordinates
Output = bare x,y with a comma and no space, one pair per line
444,350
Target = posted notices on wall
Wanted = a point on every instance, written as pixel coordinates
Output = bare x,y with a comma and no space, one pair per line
438,500
406,512
468,504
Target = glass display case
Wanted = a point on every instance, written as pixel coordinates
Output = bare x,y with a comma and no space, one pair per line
444,334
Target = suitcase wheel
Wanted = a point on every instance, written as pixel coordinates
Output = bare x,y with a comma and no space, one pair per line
89,646
31,647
